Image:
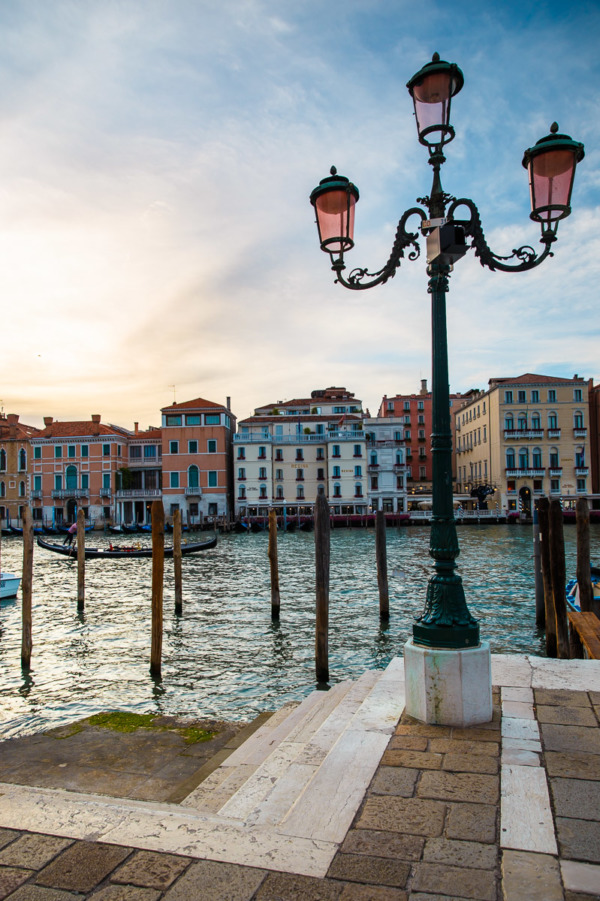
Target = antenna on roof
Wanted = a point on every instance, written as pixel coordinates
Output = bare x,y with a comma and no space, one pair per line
174,398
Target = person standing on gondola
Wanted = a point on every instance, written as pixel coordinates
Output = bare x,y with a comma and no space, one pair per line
70,536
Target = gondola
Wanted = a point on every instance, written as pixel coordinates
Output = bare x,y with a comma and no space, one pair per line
123,552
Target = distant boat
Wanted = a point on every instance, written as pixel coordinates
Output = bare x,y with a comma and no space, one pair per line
15,530
123,552
9,585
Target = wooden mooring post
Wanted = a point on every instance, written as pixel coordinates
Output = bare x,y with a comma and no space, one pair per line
322,560
584,570
540,607
559,579
27,588
177,562
80,560
274,565
550,614
158,570
381,556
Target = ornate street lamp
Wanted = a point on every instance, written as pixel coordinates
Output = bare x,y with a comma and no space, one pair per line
446,621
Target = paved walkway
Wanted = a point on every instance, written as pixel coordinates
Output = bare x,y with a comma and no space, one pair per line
344,797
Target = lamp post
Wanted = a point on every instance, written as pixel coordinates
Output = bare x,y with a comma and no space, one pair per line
446,622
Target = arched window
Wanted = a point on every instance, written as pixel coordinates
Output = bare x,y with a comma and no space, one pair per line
554,458
510,458
22,460
373,458
21,489
579,457
358,490
279,493
300,492
552,421
535,421
3,460
522,421
337,491
2,489
536,458
400,456
578,419
509,422
193,477
523,458
242,492
71,474
262,491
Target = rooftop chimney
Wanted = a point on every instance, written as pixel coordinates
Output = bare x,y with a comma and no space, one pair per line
423,386
96,423
228,404
136,427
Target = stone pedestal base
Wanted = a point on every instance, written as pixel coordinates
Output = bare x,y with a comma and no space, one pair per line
448,687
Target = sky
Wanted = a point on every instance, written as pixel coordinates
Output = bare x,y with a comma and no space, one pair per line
156,237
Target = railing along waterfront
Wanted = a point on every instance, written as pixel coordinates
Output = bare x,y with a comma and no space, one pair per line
299,439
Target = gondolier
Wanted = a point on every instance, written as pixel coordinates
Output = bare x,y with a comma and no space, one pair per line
70,536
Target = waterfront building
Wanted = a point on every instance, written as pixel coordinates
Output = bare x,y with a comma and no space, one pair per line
522,438
139,481
76,464
415,412
287,449
386,463
15,467
594,401
197,475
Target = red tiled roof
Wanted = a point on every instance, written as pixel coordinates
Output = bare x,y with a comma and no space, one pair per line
22,431
85,429
198,404
530,378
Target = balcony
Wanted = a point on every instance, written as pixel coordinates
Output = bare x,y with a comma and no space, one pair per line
554,433
36,492
555,472
105,492
133,493
582,470
193,492
523,473
515,434
64,493
373,467
579,433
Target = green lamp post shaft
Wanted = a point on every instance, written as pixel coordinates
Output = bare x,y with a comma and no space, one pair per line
446,621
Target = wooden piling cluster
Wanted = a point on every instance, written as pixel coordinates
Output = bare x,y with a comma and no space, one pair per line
158,572
322,561
26,589
274,565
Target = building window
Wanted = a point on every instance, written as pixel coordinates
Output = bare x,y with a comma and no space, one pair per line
407,405
320,475
555,485
399,457
71,478
21,489
522,422
536,458
85,481
522,397
242,492
106,480
577,395
173,447
554,458
374,483
300,475
552,421
578,420
37,454
263,491
58,452
279,494
241,453
523,458
262,453
422,472
508,397
320,453
193,477
358,472
535,421
58,482
581,488
262,472
212,446
510,458
212,479
336,451
551,396
135,453
172,420
212,419
390,406
535,397
71,450
193,447
191,419
358,490
579,457
300,492
337,472
357,450
337,491
509,422
241,473
299,453
278,455
37,483
278,475
174,479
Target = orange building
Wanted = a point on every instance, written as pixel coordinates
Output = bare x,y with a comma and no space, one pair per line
15,467
75,464
197,438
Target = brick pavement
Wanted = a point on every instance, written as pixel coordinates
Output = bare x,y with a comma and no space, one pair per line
428,829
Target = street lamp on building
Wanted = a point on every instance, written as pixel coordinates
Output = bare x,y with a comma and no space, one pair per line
446,621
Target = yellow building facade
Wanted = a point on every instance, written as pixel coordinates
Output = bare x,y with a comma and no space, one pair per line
523,438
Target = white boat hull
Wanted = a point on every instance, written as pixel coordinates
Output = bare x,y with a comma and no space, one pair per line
9,585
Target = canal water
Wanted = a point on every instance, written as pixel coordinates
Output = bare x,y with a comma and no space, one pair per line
224,657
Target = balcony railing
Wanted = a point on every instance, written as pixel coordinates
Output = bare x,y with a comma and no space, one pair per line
128,493
312,438
37,492
193,492
554,433
514,434
521,473
579,433
555,472
582,470
63,493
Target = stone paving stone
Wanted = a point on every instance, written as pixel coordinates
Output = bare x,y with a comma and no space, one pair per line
426,896
578,839
125,893
362,868
408,743
487,732
462,746
566,716
409,815
534,877
472,822
11,878
579,798
422,760
357,892
470,763
472,787
151,870
82,866
580,877
33,851
285,887
383,844
574,765
579,896
210,880
391,780
7,836
561,697
474,855
476,884
570,738
595,698
416,728
31,892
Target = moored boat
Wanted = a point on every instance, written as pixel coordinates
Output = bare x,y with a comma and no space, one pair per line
9,585
123,552
573,590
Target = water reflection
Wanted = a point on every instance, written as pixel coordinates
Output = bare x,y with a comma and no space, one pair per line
225,656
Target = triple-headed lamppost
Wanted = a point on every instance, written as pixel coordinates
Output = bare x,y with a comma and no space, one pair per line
446,622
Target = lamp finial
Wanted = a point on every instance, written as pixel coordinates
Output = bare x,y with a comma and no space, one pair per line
435,58
554,128
333,170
